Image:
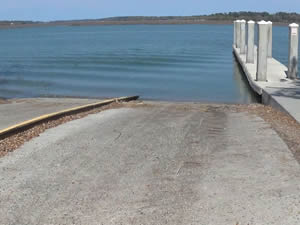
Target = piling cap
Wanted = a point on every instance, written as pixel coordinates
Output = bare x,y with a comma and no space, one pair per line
269,22
294,25
262,22
251,21
243,21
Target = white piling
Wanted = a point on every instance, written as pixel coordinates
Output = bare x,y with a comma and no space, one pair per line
270,39
238,34
243,37
262,53
250,43
234,33
293,51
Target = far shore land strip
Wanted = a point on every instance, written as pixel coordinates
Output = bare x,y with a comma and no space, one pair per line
280,18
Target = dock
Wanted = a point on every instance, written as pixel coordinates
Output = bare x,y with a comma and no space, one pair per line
278,89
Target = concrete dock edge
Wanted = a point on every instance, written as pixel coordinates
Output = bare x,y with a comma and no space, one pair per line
268,99
252,83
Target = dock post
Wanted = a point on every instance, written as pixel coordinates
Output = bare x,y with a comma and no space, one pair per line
270,39
243,37
293,51
262,51
238,34
234,33
250,44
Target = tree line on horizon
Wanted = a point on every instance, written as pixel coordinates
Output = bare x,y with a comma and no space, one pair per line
279,17
282,17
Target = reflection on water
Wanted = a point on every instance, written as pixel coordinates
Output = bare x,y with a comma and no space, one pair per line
247,95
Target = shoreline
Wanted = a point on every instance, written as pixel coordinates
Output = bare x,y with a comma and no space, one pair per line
116,23
174,101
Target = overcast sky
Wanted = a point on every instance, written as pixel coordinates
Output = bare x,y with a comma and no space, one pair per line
91,9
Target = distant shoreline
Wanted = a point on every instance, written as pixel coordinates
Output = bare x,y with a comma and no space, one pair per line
279,18
130,22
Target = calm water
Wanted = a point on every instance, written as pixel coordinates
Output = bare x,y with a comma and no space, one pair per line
163,62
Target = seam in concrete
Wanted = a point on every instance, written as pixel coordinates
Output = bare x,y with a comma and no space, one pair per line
267,99
29,123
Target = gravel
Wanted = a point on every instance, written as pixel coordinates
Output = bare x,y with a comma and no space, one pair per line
285,126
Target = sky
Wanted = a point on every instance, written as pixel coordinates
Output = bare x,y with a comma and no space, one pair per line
47,10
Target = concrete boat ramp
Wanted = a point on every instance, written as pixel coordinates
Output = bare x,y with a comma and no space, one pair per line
153,163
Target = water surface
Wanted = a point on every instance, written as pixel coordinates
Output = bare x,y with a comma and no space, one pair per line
158,62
